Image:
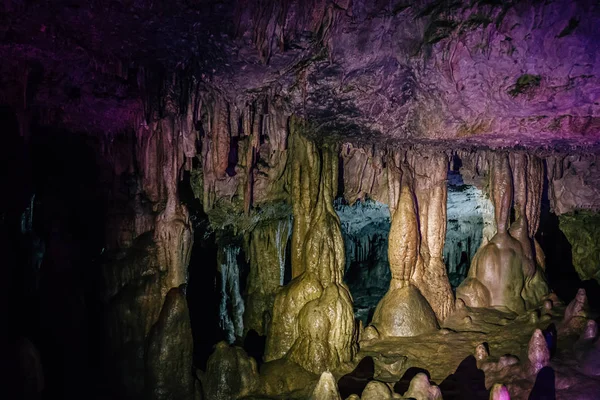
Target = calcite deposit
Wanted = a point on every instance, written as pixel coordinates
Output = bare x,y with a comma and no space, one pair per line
322,199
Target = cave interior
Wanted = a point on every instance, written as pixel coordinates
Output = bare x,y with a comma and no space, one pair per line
300,199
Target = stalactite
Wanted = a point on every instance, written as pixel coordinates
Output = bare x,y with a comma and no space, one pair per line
231,309
266,255
313,323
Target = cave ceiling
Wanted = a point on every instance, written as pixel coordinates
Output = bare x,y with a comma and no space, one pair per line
480,73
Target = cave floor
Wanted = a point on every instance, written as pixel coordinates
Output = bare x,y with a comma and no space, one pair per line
447,356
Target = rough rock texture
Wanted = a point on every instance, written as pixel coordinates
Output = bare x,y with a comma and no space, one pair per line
507,272
376,390
538,352
499,392
573,182
267,248
582,230
169,354
421,389
326,388
415,252
230,373
313,322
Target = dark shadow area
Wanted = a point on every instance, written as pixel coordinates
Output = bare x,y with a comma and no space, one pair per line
356,381
468,382
545,386
562,276
551,338
54,226
402,385
255,344
203,288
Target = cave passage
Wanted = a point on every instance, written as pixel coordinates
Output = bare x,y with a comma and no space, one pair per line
469,211
365,228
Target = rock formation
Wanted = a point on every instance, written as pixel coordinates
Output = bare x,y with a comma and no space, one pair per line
506,272
230,373
313,323
156,152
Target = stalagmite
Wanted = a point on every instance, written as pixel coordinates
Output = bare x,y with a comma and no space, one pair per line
230,373
326,388
403,311
505,272
169,356
499,392
538,352
431,191
421,389
313,323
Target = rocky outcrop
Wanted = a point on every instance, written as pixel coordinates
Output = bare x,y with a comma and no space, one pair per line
582,231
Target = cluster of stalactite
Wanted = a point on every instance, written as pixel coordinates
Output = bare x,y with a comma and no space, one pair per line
313,322
508,271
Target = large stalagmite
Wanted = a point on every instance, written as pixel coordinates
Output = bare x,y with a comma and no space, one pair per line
507,272
313,323
404,311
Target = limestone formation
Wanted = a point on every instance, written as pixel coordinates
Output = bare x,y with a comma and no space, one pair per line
506,271
376,390
169,355
538,352
578,307
403,311
267,252
326,388
499,392
313,323
430,190
230,373
421,389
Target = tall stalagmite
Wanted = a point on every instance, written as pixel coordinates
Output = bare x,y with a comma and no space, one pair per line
403,311
431,193
313,322
505,272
